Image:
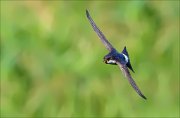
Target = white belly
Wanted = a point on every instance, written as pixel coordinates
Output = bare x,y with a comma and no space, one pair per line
111,61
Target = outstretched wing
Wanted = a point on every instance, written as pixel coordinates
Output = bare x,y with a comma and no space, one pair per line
99,33
130,79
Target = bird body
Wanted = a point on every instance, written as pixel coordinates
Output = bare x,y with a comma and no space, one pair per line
115,58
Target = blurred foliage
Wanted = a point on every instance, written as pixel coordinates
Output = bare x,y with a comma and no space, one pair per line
51,59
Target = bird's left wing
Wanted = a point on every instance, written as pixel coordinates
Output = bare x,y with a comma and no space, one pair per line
99,33
127,74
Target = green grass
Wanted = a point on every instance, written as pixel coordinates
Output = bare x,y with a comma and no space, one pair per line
51,59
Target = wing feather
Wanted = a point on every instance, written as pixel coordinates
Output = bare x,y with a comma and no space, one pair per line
99,33
130,79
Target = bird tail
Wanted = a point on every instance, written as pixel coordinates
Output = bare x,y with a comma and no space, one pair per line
126,53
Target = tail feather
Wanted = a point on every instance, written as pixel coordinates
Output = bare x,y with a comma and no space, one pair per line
128,64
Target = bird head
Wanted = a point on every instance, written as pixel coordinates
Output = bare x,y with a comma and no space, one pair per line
109,60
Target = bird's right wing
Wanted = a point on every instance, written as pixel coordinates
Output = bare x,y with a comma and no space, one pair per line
127,74
99,33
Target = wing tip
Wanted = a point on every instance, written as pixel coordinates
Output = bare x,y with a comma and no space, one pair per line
87,13
143,96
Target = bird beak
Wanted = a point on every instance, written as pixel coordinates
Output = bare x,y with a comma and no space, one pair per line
105,61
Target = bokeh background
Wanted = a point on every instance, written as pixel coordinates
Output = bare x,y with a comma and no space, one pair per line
52,60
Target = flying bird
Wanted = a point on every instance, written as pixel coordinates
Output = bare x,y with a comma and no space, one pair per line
115,58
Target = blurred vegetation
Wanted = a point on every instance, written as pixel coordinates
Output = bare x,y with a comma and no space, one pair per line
51,59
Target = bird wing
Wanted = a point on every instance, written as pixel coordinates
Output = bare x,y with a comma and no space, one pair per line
127,74
99,33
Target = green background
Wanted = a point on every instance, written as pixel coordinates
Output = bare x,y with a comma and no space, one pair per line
52,60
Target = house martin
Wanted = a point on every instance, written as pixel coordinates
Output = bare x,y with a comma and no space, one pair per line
115,58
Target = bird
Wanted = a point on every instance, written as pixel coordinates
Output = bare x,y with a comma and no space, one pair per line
116,58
